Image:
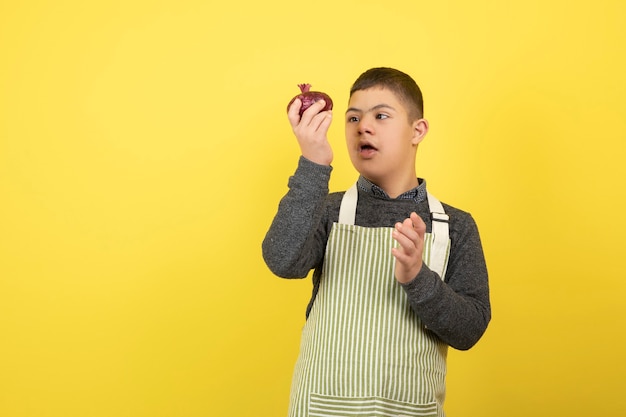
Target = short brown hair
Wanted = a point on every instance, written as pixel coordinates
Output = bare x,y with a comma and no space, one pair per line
401,84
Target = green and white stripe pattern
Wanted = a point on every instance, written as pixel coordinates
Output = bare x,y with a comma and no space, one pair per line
324,406
364,352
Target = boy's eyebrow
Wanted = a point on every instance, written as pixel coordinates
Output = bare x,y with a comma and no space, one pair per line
376,107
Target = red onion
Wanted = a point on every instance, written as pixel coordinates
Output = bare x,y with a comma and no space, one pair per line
309,97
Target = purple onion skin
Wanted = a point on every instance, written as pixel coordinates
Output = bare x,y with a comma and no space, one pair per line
309,97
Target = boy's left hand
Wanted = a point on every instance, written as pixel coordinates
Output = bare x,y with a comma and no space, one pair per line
410,237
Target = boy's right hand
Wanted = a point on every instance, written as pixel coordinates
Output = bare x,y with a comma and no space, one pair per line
311,131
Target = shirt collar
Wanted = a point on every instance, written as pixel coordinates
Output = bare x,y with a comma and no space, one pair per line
417,194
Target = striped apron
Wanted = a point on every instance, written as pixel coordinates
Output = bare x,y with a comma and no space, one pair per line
364,352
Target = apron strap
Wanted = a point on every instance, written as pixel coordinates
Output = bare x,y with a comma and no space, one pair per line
438,216
441,235
347,211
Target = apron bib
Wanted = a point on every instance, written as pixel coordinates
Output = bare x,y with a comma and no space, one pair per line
364,352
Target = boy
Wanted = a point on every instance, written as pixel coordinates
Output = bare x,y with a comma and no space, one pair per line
398,276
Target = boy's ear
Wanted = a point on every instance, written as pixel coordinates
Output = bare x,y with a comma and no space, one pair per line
420,128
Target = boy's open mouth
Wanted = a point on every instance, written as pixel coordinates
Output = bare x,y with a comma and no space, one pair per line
367,149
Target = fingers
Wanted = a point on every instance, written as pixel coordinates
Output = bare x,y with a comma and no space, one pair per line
324,122
412,229
311,131
293,114
410,237
418,225
312,118
406,236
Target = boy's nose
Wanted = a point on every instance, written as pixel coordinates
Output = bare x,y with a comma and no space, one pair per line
365,126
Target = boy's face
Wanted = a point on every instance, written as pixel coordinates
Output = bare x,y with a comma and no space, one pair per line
381,140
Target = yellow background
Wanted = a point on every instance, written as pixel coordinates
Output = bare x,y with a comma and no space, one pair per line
144,147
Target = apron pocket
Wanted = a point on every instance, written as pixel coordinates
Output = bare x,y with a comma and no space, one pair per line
330,406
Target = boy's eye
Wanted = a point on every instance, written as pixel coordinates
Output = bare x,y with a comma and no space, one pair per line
353,119
381,116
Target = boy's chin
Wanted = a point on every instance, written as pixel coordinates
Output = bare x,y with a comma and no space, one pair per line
370,175
362,165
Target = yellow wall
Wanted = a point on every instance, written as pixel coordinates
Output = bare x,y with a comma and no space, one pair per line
144,147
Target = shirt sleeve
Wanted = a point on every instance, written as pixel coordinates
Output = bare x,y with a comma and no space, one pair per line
456,309
296,240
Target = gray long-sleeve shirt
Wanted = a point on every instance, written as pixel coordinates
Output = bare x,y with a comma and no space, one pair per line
457,309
